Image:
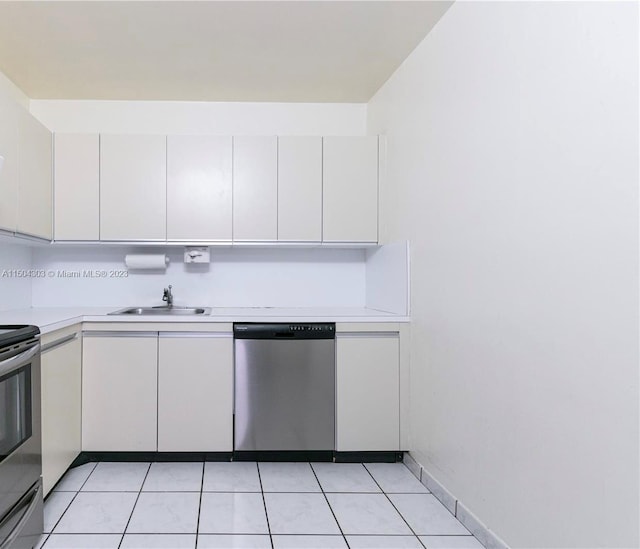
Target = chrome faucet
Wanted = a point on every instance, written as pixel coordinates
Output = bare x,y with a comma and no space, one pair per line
167,296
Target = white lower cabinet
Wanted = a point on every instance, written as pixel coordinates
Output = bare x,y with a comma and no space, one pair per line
367,392
61,405
195,393
120,392
167,392
173,392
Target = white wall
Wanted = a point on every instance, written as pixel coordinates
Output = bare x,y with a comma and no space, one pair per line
176,117
237,277
513,170
15,287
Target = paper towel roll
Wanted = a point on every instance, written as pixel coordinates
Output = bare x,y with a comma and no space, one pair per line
146,261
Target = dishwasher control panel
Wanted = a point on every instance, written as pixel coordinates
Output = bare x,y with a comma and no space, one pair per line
307,330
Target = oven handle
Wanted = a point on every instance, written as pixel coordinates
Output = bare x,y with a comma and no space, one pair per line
15,362
6,544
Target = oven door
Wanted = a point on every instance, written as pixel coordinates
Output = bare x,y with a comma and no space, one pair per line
20,437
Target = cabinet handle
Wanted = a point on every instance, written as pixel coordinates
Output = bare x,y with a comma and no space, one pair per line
354,335
119,334
196,334
59,342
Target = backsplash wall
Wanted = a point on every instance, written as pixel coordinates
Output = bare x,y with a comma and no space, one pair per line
236,277
15,284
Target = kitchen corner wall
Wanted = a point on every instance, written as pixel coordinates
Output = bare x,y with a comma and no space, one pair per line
15,282
512,168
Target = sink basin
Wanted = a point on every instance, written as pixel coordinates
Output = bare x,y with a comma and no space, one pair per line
163,311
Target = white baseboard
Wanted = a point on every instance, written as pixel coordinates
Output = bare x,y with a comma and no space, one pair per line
483,534
445,497
413,465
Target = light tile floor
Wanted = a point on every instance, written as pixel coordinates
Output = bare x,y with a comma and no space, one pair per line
247,505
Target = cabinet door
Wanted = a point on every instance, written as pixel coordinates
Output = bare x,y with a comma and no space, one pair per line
195,393
255,188
300,188
119,393
133,187
367,393
34,178
77,187
61,409
9,112
198,188
350,189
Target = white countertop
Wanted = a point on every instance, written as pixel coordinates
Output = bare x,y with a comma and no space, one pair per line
51,319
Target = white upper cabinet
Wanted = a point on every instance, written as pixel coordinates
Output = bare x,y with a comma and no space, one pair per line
350,189
143,188
35,206
9,112
77,187
133,187
255,188
300,188
199,182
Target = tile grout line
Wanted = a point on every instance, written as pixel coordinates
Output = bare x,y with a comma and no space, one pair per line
204,464
201,493
134,505
61,515
95,466
264,502
392,504
329,504
68,505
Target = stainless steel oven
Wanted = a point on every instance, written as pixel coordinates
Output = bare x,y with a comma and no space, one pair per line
21,518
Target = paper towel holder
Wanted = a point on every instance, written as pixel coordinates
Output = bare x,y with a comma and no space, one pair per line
146,262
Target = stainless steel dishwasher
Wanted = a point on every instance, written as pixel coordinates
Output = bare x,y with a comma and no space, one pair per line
284,387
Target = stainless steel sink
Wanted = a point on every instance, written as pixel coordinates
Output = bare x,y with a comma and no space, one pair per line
163,310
